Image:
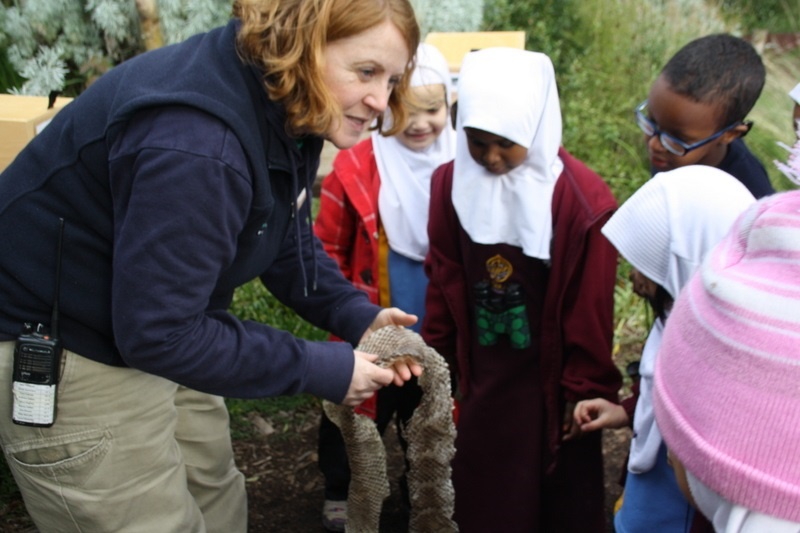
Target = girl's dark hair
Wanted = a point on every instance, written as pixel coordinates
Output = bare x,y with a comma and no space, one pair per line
661,303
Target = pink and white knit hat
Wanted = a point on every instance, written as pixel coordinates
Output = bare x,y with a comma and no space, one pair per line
727,378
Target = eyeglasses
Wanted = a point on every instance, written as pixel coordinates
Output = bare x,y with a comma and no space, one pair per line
672,144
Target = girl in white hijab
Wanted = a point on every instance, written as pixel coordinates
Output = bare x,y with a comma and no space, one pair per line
520,301
407,160
664,230
512,207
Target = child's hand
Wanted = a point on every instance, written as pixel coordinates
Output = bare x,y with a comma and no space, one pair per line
392,316
569,428
598,413
404,369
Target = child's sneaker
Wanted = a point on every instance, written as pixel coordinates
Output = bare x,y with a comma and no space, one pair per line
334,515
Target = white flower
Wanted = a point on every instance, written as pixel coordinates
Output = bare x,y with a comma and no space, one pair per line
791,169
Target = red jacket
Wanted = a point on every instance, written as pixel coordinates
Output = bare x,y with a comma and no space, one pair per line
577,328
348,223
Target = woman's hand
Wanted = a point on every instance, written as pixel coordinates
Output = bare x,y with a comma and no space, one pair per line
367,378
598,413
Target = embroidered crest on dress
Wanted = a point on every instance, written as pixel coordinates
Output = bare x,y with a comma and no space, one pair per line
500,307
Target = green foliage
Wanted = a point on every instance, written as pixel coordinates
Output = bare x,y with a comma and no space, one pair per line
8,76
62,45
59,45
779,16
632,322
549,26
282,411
448,15
253,302
772,114
181,19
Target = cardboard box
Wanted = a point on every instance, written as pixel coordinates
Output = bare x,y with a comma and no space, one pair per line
21,119
457,44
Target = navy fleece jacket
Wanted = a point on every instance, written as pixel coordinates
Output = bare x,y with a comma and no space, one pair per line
177,183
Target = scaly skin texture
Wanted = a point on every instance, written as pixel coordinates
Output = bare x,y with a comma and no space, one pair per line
430,435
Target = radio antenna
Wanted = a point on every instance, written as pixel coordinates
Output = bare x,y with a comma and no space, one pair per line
54,316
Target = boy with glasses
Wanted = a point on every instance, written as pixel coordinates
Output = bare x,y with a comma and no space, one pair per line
695,111
695,115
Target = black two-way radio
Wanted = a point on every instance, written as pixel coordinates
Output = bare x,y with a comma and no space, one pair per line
37,362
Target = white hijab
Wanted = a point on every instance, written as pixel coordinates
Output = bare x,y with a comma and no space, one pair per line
405,174
728,517
664,230
511,93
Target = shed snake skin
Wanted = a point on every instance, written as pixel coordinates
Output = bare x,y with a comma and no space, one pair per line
430,434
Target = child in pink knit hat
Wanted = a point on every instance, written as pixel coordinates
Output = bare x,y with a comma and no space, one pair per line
727,379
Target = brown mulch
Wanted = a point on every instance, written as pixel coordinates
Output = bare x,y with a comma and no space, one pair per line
285,487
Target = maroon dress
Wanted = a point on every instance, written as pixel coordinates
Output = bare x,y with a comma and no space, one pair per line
511,471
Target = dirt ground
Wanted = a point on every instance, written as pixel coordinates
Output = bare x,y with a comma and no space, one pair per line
284,485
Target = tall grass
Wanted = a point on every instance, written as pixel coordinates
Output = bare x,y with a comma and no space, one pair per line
779,16
773,111
8,76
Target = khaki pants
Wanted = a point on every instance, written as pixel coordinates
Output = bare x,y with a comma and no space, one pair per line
129,452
